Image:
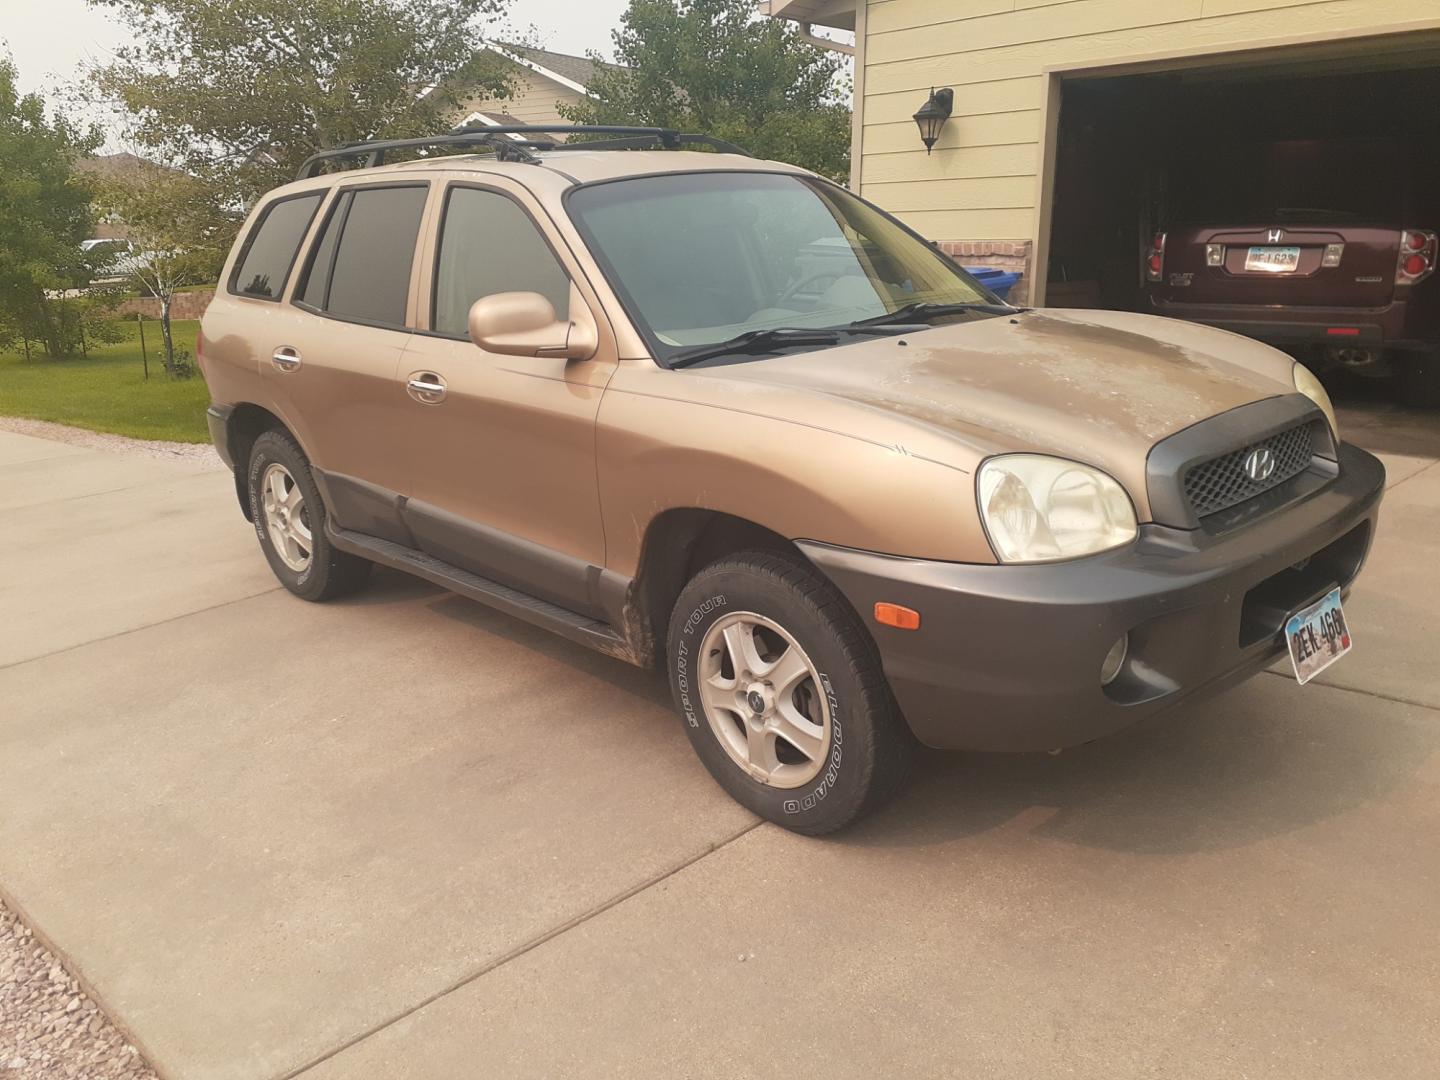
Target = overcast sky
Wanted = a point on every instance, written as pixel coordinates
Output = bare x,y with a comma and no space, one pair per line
49,39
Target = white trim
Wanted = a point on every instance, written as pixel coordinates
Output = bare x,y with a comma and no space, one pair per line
515,136
857,103
569,84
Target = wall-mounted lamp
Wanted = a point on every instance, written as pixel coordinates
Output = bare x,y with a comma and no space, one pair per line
933,114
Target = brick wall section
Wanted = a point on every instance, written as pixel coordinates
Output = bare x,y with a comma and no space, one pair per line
186,305
1011,255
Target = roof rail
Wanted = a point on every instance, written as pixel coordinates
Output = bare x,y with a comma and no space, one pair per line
509,149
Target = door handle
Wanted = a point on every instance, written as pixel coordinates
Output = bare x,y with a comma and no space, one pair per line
286,359
426,387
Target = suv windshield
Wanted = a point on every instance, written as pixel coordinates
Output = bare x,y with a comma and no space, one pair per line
701,258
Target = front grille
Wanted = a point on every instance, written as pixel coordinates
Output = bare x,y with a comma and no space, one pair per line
1223,482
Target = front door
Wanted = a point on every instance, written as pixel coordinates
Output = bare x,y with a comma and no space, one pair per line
501,451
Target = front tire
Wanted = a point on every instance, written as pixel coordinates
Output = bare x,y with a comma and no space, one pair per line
782,694
289,519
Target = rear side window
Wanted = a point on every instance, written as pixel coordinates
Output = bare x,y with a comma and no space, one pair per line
360,266
489,245
272,245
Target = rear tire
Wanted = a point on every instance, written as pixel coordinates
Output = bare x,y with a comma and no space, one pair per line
807,670
289,519
1417,378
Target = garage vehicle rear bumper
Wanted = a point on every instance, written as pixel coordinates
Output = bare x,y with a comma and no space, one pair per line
1008,658
1294,324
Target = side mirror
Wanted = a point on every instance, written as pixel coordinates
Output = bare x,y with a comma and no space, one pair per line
525,324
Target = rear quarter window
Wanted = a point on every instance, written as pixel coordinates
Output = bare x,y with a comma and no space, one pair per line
271,247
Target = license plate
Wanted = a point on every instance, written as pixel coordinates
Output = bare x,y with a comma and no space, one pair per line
1317,637
1273,260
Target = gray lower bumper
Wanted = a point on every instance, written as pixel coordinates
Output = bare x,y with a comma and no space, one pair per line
218,417
1008,657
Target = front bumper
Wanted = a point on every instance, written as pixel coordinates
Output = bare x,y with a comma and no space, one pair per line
1008,657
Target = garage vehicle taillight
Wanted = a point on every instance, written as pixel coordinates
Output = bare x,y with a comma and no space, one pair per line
1155,259
1417,256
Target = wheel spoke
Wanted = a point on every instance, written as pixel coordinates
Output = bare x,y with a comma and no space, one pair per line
277,489
718,692
294,499
740,641
786,673
299,536
760,746
792,726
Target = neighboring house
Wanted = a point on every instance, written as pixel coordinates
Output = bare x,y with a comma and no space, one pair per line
543,81
1073,119
109,166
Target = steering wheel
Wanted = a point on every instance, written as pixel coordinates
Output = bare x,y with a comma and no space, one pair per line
793,289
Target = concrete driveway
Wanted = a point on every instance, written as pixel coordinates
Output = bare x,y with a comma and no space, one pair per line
404,836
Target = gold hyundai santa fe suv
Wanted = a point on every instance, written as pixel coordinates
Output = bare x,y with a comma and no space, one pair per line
722,416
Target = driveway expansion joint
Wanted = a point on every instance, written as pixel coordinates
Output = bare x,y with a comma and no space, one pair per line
1363,692
137,629
521,950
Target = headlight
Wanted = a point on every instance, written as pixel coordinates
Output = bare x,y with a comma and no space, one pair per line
1040,509
1309,385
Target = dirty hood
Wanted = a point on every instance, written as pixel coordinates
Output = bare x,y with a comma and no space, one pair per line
1095,386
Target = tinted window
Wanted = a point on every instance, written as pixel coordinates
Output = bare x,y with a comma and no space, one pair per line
361,265
316,288
271,247
489,245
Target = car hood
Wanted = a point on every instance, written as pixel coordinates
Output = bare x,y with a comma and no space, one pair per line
1096,386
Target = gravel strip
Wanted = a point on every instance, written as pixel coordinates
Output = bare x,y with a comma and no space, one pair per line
48,1027
201,453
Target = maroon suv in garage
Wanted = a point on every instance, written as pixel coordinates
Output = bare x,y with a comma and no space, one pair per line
1364,296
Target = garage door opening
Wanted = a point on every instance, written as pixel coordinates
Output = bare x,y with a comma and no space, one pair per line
1285,200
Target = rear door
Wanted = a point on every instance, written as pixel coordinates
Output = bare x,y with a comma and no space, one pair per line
501,459
333,357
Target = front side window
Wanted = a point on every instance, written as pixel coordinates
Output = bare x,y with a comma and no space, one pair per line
272,245
704,257
489,245
360,266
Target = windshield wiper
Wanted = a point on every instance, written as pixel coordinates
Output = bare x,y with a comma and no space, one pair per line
924,309
756,341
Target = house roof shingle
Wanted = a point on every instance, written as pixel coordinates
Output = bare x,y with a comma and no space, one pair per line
579,69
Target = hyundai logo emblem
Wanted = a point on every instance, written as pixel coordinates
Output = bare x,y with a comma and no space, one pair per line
1276,235
1259,464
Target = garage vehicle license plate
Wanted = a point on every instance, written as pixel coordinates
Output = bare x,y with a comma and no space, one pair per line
1273,260
1317,636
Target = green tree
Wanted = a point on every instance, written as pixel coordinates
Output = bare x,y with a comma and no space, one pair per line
177,232
714,66
240,92
44,215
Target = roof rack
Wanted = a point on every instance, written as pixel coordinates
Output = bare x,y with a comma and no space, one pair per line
511,149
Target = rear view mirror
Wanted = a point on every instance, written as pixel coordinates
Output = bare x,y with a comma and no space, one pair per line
525,324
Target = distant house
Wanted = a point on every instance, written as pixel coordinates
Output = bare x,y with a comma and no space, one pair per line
543,82
107,167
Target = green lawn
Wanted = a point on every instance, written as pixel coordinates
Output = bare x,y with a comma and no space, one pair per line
108,391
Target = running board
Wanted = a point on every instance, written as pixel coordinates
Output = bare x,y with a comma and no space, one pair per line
568,624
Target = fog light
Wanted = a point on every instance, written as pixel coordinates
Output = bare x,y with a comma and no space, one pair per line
1114,660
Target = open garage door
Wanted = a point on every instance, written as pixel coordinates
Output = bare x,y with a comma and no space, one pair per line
1294,198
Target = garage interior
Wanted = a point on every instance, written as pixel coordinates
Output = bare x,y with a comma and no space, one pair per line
1333,127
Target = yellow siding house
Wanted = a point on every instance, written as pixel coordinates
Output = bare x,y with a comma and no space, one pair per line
988,191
